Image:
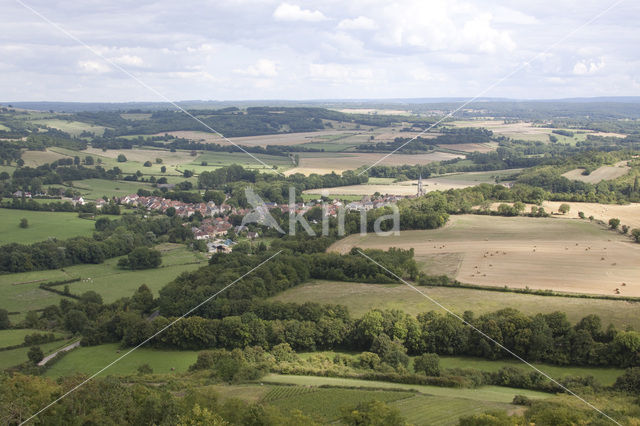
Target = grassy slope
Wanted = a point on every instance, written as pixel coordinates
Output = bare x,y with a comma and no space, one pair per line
41,226
18,356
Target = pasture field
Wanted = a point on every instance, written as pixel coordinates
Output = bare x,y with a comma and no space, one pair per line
323,163
92,189
599,174
14,337
15,357
89,359
141,155
74,128
42,225
20,292
519,252
38,158
484,393
471,147
113,283
360,298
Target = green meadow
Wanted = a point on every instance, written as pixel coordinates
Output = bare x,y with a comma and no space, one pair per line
42,225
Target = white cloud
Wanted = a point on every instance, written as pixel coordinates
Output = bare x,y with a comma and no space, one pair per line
262,68
585,67
131,60
293,12
94,67
359,23
339,72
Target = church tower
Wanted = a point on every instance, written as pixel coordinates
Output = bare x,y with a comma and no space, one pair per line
420,187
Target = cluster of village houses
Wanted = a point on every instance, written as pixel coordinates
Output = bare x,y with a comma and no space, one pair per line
215,225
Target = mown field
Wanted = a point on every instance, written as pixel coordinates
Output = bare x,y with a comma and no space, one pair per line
92,189
90,359
74,128
21,292
42,225
519,252
360,298
599,174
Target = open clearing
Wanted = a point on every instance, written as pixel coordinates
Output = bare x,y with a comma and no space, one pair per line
520,252
42,225
360,298
16,336
323,163
92,189
471,147
599,174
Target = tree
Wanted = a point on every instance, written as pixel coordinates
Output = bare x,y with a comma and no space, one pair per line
614,223
145,369
147,164
187,173
35,354
142,299
163,169
581,215
158,160
217,197
88,160
24,223
4,319
121,158
629,381
141,258
75,321
564,208
635,233
171,211
429,364
200,416
372,413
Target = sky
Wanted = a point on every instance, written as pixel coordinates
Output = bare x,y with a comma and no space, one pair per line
299,50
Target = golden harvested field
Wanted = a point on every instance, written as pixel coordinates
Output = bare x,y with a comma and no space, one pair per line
628,214
599,174
279,139
518,252
322,163
38,158
142,155
375,111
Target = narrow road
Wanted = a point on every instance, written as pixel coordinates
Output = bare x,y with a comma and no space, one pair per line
65,349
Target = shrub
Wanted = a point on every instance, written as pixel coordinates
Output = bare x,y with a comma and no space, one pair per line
429,364
35,354
614,223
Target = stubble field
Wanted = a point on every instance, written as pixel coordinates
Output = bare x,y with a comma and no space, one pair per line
520,252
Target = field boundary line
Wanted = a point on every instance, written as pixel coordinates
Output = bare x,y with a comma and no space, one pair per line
141,82
501,346
499,81
94,375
